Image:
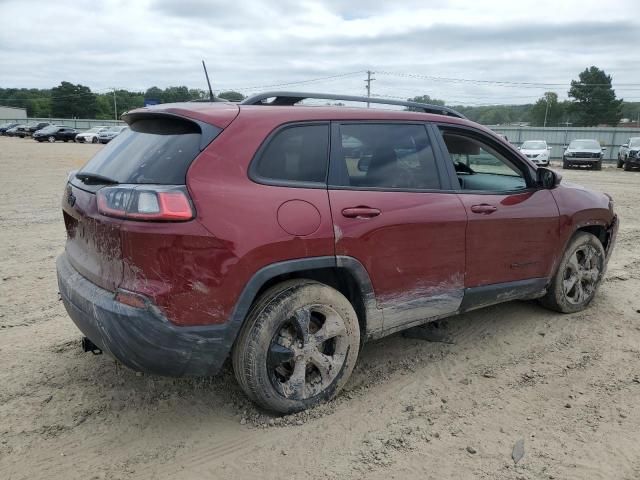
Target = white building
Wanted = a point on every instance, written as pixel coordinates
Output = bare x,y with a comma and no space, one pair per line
12,113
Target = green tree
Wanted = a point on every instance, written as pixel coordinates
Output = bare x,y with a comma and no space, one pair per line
595,100
69,101
423,99
547,111
231,96
154,93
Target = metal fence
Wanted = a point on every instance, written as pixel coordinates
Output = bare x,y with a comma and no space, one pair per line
559,137
79,123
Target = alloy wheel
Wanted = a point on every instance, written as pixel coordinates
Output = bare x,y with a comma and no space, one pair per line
581,275
308,352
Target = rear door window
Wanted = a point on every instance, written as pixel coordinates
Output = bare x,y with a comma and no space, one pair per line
153,150
295,154
385,156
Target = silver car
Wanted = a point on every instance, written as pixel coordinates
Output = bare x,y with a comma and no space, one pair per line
111,133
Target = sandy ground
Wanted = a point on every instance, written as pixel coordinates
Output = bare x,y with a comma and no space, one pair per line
568,385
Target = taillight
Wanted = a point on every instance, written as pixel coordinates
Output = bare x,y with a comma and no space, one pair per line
146,202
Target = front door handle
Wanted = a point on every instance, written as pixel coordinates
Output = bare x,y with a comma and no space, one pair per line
360,212
483,208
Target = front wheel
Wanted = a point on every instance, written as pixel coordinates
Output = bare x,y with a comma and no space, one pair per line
579,275
597,165
565,164
298,346
95,140
51,139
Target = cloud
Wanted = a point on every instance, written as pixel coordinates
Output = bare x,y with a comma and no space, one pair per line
118,43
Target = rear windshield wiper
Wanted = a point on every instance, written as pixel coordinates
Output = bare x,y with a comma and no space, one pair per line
95,179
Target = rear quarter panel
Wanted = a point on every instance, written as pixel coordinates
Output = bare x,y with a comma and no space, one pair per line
241,219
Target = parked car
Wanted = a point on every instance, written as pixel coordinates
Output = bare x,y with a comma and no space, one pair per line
53,133
110,133
537,150
629,154
37,126
91,135
17,131
7,126
583,152
242,231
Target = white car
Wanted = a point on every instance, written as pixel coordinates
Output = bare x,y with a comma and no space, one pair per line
91,135
537,151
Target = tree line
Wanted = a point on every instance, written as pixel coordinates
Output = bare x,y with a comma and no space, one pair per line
592,101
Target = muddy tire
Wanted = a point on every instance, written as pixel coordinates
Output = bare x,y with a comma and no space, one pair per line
297,347
579,275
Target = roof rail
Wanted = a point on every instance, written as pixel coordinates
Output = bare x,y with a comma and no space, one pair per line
291,98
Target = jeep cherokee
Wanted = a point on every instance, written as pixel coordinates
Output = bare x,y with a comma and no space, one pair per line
283,236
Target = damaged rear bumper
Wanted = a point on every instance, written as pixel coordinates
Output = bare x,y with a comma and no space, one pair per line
140,338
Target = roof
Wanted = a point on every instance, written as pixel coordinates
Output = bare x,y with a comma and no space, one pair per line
221,114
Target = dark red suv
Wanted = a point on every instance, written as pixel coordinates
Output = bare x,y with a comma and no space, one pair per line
284,236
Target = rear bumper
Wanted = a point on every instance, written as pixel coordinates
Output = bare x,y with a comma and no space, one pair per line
140,338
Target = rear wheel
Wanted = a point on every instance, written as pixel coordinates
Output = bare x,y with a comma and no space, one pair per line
298,346
579,275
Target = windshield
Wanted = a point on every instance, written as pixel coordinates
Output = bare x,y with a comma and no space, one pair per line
589,144
534,145
634,142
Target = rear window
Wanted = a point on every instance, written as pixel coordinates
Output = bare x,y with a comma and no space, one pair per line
153,150
295,154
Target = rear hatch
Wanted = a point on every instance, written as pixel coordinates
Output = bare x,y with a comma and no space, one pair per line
149,159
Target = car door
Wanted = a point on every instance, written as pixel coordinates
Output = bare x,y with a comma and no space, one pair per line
513,227
392,213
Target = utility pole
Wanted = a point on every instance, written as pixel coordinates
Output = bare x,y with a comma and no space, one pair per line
368,82
115,106
546,111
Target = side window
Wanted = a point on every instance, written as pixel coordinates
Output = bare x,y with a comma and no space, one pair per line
479,166
295,154
391,156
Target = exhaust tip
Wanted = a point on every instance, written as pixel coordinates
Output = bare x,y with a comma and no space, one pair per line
89,346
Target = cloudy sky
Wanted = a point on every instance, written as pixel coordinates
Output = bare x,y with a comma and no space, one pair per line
452,49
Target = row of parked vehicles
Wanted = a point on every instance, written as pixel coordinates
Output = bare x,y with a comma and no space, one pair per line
583,152
47,132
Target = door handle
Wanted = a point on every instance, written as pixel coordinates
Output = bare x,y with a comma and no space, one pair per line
483,208
360,212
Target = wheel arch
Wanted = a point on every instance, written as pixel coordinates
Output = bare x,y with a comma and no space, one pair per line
345,274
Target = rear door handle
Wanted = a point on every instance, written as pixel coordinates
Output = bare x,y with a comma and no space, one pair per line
360,212
483,208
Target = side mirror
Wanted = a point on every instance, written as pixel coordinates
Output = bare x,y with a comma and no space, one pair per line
547,178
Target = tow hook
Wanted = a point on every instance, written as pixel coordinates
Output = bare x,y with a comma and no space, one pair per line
89,346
